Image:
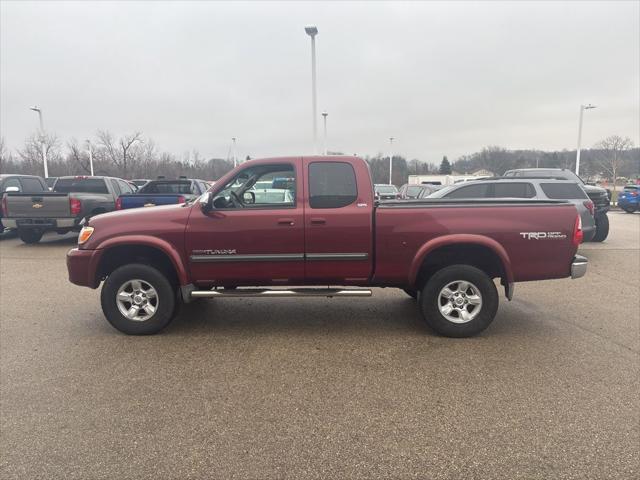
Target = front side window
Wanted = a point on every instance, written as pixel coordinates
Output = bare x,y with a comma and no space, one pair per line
331,185
513,190
261,186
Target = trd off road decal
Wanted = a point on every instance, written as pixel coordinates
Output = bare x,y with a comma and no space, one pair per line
543,235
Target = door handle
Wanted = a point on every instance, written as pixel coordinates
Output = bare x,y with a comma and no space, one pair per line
286,221
318,221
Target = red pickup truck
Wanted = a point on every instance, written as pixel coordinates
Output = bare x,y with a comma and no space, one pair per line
253,235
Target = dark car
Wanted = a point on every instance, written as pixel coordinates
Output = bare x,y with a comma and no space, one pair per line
386,192
412,192
600,197
19,184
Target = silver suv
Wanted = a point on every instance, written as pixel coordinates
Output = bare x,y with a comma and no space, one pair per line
522,188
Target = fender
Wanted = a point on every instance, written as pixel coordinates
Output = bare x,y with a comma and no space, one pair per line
154,242
457,239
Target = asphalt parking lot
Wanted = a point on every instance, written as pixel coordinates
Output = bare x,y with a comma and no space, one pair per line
322,388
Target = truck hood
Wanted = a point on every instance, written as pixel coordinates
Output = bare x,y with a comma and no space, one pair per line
152,221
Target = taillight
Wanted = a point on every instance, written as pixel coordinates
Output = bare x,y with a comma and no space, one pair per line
5,209
589,205
118,203
75,206
633,194
181,199
578,236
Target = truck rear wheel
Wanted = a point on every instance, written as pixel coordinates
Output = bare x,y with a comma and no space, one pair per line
459,301
602,228
30,235
138,299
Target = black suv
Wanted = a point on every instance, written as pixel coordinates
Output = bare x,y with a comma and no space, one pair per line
599,196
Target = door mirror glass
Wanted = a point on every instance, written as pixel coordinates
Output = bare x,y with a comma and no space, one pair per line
249,198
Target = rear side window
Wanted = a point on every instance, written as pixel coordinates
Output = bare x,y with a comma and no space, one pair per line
80,185
332,185
470,191
125,187
513,190
31,185
563,191
116,187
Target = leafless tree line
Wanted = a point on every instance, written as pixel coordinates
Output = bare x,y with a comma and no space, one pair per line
136,156
128,156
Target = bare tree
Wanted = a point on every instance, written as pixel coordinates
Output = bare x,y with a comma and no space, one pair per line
31,153
121,153
612,155
78,156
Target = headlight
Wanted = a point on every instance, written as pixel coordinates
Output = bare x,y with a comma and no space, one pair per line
85,234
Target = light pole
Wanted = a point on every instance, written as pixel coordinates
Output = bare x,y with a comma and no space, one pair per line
390,160
235,160
582,109
312,31
42,141
90,157
324,118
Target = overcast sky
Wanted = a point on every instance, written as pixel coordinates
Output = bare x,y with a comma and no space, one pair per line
442,78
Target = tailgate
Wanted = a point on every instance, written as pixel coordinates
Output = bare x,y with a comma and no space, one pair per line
37,205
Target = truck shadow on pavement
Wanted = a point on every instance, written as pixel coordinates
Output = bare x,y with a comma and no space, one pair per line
357,317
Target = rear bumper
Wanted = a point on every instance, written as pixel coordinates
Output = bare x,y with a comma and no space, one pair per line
42,223
82,266
579,266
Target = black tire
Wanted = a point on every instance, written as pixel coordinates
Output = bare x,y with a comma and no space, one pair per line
30,235
412,293
602,228
430,301
165,306
629,209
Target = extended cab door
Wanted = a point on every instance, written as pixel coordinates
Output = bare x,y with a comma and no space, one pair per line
338,221
254,234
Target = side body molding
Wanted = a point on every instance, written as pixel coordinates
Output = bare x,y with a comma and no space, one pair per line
154,242
458,239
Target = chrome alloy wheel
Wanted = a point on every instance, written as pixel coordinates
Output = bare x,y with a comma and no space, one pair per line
137,300
460,301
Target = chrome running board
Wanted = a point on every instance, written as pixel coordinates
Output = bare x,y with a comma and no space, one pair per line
296,292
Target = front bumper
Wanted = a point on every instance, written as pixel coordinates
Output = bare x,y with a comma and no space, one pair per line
82,266
579,266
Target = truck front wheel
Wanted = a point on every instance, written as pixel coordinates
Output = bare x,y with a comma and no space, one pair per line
459,301
30,235
138,299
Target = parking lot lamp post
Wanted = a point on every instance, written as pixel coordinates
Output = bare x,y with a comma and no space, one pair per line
90,157
312,31
390,159
42,141
235,158
582,109
324,118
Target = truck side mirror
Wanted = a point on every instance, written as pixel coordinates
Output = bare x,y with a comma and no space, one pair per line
12,189
206,202
249,198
